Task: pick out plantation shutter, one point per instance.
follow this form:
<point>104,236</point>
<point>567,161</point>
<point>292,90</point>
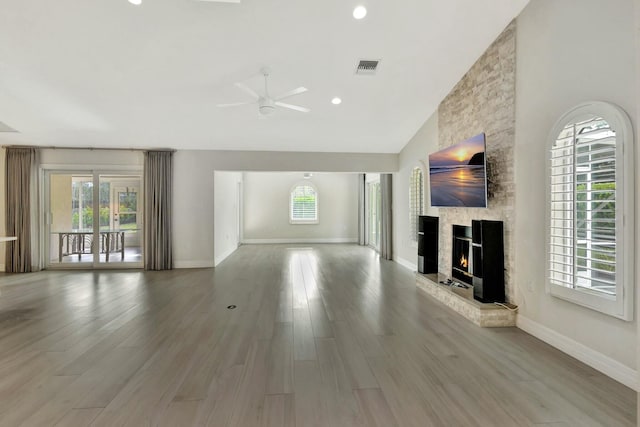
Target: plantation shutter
<point>416,202</point>
<point>304,203</point>
<point>583,214</point>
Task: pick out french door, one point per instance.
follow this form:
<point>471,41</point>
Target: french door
<point>93,219</point>
<point>373,214</point>
<point>126,214</point>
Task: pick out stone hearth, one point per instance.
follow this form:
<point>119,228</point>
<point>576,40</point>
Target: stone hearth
<point>461,301</point>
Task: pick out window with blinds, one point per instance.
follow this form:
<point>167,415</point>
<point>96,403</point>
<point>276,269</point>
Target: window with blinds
<point>416,202</point>
<point>583,207</point>
<point>586,222</point>
<point>304,204</point>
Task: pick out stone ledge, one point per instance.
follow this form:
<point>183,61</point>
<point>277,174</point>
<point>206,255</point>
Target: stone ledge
<point>461,301</point>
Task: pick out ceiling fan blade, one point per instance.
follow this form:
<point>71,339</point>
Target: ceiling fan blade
<point>248,90</point>
<point>292,107</point>
<point>235,104</point>
<point>296,91</point>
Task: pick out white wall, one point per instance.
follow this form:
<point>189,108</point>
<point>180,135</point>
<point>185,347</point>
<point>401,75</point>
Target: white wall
<point>284,161</point>
<point>226,205</point>
<point>637,94</point>
<point>568,52</point>
<point>92,159</point>
<point>414,154</point>
<point>3,231</point>
<point>266,208</point>
<point>193,194</point>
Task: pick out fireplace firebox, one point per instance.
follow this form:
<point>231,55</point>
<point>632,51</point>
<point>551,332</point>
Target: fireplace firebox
<point>461,256</point>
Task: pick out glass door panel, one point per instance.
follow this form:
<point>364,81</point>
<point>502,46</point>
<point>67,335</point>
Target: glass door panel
<point>122,230</point>
<point>70,218</point>
<point>127,208</point>
<point>374,214</point>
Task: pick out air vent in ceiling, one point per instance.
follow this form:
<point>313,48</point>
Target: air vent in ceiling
<point>6,128</point>
<point>367,67</point>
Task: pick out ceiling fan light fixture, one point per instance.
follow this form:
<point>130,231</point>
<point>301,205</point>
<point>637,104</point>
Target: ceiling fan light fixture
<point>267,110</point>
<point>266,103</point>
<point>359,12</point>
<point>266,107</point>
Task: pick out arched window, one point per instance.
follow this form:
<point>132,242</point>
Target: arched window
<point>303,204</point>
<point>416,201</point>
<point>590,209</point>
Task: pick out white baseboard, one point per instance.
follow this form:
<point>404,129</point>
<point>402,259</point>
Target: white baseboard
<point>586,355</point>
<point>193,264</point>
<point>223,256</point>
<point>302,240</point>
<point>407,264</point>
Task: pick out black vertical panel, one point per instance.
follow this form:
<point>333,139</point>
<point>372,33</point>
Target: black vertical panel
<point>428,234</point>
<point>477,260</point>
<point>476,232</point>
<point>488,261</point>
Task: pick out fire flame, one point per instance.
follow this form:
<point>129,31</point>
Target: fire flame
<point>464,263</point>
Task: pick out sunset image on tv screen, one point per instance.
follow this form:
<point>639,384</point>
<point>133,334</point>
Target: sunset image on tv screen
<point>457,174</point>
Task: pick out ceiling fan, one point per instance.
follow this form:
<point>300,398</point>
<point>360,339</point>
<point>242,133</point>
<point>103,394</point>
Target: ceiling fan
<point>266,103</point>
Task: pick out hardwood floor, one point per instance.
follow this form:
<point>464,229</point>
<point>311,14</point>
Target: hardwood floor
<point>325,335</point>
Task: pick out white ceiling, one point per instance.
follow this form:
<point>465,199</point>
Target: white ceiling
<point>105,73</point>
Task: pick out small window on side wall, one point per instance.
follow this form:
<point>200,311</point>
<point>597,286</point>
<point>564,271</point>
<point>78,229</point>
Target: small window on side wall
<point>303,204</point>
<point>416,201</point>
<point>590,209</point>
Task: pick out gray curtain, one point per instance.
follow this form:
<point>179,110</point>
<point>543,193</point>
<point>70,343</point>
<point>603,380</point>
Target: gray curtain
<point>362,219</point>
<point>386,216</point>
<point>158,178</point>
<point>18,181</point>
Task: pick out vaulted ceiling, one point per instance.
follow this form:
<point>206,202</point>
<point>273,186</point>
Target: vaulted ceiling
<point>106,73</point>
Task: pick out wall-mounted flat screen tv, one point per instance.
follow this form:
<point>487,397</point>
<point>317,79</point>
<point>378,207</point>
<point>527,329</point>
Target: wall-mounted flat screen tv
<point>458,175</point>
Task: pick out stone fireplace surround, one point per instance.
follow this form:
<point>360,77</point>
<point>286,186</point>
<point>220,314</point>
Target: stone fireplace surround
<point>457,292</point>
<point>460,299</point>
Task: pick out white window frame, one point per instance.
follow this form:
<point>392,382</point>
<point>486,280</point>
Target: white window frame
<point>619,305</point>
<point>415,211</point>
<point>292,220</point>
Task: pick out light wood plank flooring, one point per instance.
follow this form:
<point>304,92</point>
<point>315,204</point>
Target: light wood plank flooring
<point>325,335</point>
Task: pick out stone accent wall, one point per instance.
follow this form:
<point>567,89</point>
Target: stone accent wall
<point>484,101</point>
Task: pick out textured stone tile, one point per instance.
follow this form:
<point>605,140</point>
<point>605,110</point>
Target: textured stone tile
<point>484,101</point>
<point>462,302</point>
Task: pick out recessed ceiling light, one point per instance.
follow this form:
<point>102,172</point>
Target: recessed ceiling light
<point>336,101</point>
<point>136,2</point>
<point>359,12</point>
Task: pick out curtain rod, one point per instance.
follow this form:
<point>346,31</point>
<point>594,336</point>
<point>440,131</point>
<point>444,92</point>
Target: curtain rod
<point>89,148</point>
